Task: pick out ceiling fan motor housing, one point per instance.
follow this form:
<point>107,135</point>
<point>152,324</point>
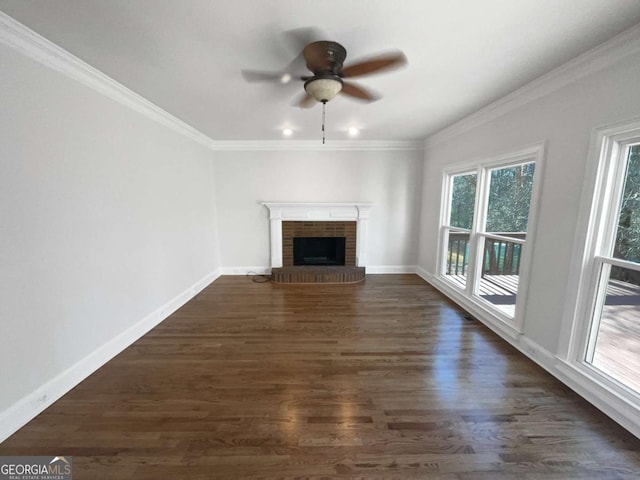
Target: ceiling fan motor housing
<point>325,57</point>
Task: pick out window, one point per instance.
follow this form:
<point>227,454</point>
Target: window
<point>504,234</point>
<point>459,225</point>
<point>613,342</point>
<point>484,229</point>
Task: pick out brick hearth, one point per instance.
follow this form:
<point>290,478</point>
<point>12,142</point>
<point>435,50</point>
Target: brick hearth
<point>317,274</point>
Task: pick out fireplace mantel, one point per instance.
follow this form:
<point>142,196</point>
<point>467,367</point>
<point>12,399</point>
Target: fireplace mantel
<point>337,212</point>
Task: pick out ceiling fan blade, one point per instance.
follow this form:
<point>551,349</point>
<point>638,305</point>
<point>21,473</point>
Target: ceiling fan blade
<point>376,64</point>
<point>294,40</point>
<point>356,91</point>
<point>285,76</point>
<point>305,101</point>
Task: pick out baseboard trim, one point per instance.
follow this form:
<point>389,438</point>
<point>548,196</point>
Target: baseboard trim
<point>391,269</point>
<point>597,393</point>
<point>537,353</point>
<point>27,408</point>
<point>488,318</point>
<point>375,269</point>
<point>245,270</point>
<point>422,273</point>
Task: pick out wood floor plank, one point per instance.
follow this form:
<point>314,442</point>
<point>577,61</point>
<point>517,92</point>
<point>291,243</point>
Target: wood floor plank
<point>381,379</point>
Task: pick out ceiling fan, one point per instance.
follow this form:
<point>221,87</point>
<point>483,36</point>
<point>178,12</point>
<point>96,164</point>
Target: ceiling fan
<point>325,60</point>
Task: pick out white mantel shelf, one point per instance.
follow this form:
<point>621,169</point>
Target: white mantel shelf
<point>321,212</point>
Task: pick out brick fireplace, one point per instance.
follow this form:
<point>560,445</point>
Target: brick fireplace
<point>345,222</point>
<point>291,230</point>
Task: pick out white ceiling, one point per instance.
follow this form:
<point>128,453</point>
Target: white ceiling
<point>186,55</point>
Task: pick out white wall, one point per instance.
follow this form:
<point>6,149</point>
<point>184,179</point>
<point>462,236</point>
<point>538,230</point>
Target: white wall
<point>564,120</point>
<point>391,180</point>
<point>105,216</point>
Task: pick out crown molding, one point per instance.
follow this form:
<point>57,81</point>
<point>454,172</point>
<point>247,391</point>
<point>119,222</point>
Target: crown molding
<point>598,58</point>
<point>297,145</point>
<point>19,37</point>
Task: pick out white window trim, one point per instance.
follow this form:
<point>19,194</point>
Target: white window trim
<point>534,153</point>
<point>600,203</point>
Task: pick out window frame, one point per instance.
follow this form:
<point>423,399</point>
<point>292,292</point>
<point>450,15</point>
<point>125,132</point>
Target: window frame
<point>445,220</point>
<point>477,235</point>
<point>594,242</point>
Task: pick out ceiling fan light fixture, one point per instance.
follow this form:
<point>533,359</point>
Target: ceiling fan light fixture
<point>323,89</point>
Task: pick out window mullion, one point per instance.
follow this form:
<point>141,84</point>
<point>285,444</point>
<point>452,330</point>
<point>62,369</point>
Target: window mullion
<point>476,241</point>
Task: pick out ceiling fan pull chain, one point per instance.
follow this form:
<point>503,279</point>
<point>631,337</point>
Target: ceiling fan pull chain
<point>324,103</point>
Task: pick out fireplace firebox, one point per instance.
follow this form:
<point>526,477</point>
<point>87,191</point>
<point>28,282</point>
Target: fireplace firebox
<point>318,231</point>
<point>319,250</point>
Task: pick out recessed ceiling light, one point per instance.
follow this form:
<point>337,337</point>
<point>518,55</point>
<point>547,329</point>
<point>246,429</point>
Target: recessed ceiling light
<point>287,132</point>
<point>353,131</point>
<point>285,78</point>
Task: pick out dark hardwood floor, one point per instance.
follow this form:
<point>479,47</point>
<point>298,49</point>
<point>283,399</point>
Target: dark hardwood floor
<point>382,379</point>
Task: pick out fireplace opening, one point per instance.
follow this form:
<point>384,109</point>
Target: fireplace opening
<point>318,250</point>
